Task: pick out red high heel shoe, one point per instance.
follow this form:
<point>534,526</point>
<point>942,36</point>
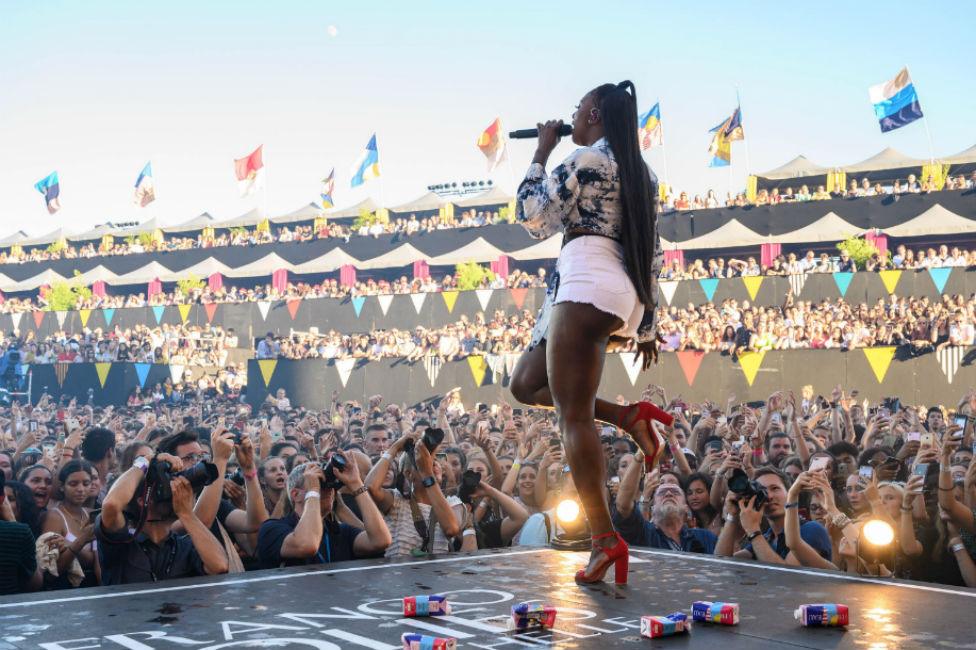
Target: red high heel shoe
<point>617,555</point>
<point>645,413</point>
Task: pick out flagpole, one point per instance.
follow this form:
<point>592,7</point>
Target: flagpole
<point>664,152</point>
<point>745,140</point>
<point>925,122</point>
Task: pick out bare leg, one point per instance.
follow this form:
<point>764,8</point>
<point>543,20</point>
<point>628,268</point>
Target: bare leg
<point>578,335</point>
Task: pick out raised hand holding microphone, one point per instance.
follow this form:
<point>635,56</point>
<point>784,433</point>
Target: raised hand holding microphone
<point>548,139</point>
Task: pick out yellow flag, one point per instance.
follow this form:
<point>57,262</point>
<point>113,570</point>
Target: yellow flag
<point>184,312</point>
<point>750,363</point>
<point>84,314</point>
<point>478,367</point>
<point>879,359</point>
<point>267,367</point>
<point>752,282</point>
<point>890,279</point>
<point>102,370</point>
<point>450,297</point>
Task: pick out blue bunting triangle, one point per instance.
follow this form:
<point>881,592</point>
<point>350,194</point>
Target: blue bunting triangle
<point>109,315</point>
<point>843,280</point>
<point>142,372</point>
<point>709,285</point>
<point>158,312</point>
<point>940,277</point>
<point>357,304</point>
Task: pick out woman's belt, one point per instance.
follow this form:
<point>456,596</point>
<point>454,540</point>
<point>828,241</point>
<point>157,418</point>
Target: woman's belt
<point>570,236</point>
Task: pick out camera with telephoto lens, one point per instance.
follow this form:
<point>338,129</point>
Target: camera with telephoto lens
<point>160,473</point>
<point>743,487</point>
<point>431,439</point>
<point>338,461</point>
<point>470,481</point>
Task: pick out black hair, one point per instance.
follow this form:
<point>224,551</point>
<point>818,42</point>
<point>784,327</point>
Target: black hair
<point>27,511</point>
<point>843,447</point>
<point>169,444</point>
<point>71,467</point>
<point>767,470</point>
<point>97,443</point>
<point>281,444</point>
<point>618,110</point>
<point>778,434</point>
<point>24,473</point>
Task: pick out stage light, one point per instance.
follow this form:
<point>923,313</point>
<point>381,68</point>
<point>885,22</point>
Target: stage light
<point>878,533</point>
<point>568,511</point>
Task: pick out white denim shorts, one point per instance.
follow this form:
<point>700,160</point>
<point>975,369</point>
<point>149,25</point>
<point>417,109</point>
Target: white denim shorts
<point>590,270</point>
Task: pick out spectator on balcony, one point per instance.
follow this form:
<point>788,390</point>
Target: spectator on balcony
<point>846,264</point>
<point>682,203</point>
<point>821,194</point>
<point>711,201</point>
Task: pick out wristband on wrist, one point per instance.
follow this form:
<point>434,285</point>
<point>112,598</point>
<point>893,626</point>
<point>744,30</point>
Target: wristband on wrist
<point>795,504</point>
<point>252,474</point>
<point>312,494</point>
<point>386,456</point>
<point>360,490</point>
<point>955,548</point>
<point>730,518</point>
<point>141,463</point>
<point>908,509</point>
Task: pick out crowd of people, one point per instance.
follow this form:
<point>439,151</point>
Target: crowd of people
<point>910,185</point>
<point>186,345</point>
<point>118,495</point>
<point>241,236</point>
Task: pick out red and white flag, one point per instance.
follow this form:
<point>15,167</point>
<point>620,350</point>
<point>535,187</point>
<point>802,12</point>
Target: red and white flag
<point>250,172</point>
<point>492,143</point>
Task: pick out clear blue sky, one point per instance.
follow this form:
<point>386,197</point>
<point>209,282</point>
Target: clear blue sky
<point>95,89</point>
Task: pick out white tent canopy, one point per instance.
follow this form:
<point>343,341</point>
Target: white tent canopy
<point>934,221</point>
<point>353,210</point>
<point>198,222</point>
<point>887,158</point>
<point>729,235</point>
<point>305,213</point>
<point>829,227</point>
<point>249,218</point>
<point>428,201</point>
<point>494,196</point>
<point>796,168</point>
<point>964,156</point>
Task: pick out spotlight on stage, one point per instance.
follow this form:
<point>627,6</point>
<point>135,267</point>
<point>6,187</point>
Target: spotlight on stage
<point>875,547</point>
<point>572,532</point>
<point>877,533</point>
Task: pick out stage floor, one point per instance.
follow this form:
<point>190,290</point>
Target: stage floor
<point>356,605</point>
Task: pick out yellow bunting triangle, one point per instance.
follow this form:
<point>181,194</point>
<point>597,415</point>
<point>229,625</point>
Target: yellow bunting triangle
<point>890,279</point>
<point>478,367</point>
<point>752,282</point>
<point>184,312</point>
<point>84,313</point>
<point>267,367</point>
<point>450,297</point>
<point>750,363</point>
<point>102,370</point>
<point>880,359</point>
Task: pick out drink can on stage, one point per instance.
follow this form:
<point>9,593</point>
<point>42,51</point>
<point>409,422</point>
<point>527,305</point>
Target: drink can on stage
<point>413,641</point>
<point>722,613</point>
<point>823,615</point>
<point>425,606</point>
<point>532,615</point>
<point>653,627</point>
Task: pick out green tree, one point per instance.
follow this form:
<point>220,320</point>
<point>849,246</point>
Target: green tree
<point>64,295</point>
<point>470,274</point>
<point>189,284</point>
<point>365,218</point>
<point>506,214</point>
<point>859,249</point>
<point>56,247</point>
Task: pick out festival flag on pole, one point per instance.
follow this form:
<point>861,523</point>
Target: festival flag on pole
<point>48,186</point>
<point>895,102</point>
<point>145,190</point>
<point>649,129</point>
<point>326,195</point>
<point>725,133</point>
<point>368,164</point>
<point>249,171</point>
<point>492,144</point>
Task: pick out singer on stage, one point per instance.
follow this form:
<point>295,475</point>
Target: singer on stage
<point>602,199</point>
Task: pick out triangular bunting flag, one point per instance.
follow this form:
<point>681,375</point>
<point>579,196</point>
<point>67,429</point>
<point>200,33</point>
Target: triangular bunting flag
<point>102,370</point>
<point>15,317</point>
<point>667,288</point>
<point>890,279</point>
<point>84,314</point>
<point>450,297</point>
<point>61,316</point>
<point>142,373</point>
<point>157,311</point>
<point>418,300</point>
<point>879,359</point>
<point>950,358</point>
<point>690,362</point>
<point>211,309</point>
<point>497,365</point>
<point>752,282</point>
<point>357,304</point>
<point>518,295</point>
<point>38,318</point>
<point>24,368</point>
<point>433,367</point>
<point>293,307</point>
<point>385,301</point>
<point>176,373</point>
<point>267,367</point>
<point>345,366</point>
<point>631,365</point>
<point>484,295</point>
<point>184,312</point>
<point>109,314</point>
<point>511,360</point>
<point>709,285</point>
<point>61,371</point>
<point>750,362</point>
<point>842,280</point>
<point>263,307</point>
<point>939,277</point>
<point>797,280</point>
<point>478,367</point>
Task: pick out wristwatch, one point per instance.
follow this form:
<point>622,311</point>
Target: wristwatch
<point>428,481</point>
<point>359,490</point>
<point>753,535</point>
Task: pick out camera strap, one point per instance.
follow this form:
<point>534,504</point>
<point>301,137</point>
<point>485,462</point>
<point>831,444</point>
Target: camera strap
<point>424,529</point>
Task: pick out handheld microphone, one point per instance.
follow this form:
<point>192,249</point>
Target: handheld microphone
<point>564,130</point>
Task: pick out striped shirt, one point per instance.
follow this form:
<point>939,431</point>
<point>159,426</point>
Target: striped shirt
<point>399,519</point>
<point>17,560</point>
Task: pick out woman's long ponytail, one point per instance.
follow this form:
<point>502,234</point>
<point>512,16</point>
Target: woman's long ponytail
<point>618,109</point>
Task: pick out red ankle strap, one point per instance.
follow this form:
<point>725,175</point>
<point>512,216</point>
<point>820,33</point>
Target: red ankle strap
<point>612,533</point>
<point>628,414</point>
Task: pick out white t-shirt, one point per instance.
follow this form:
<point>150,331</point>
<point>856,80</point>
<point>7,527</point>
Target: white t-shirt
<point>399,519</point>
